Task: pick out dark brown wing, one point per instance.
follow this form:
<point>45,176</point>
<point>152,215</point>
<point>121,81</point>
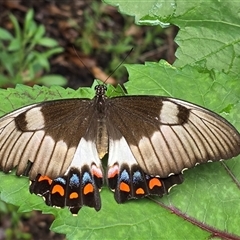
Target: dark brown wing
<point>47,134</point>
<point>167,135</point>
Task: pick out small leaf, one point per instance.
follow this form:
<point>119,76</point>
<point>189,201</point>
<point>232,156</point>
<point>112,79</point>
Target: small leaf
<point>50,80</point>
<point>30,32</point>
<point>16,27</point>
<point>52,51</point>
<point>42,61</point>
<point>39,34</point>
<point>30,57</point>
<point>47,42</point>
<point>15,45</point>
<point>5,35</point>
<point>7,62</point>
<point>28,21</point>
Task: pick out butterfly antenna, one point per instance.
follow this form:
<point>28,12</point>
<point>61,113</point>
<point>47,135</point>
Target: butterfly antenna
<point>119,65</point>
<point>81,60</point>
<point>112,71</point>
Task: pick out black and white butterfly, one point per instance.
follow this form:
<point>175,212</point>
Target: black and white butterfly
<point>150,140</point>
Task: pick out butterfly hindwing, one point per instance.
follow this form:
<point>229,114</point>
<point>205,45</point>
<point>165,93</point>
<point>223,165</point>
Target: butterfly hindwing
<point>73,190</point>
<point>126,178</point>
<point>132,183</point>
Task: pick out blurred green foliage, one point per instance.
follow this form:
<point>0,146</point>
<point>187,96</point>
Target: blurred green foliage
<point>14,231</point>
<point>97,37</point>
<point>22,58</point>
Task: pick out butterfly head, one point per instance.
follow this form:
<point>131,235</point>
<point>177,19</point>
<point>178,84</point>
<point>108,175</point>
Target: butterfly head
<point>100,90</point>
<point>100,97</point>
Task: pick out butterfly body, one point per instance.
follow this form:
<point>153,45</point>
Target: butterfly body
<point>149,140</point>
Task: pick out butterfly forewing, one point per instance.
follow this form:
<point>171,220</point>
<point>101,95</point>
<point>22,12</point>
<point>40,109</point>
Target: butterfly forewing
<point>46,134</point>
<point>167,135</point>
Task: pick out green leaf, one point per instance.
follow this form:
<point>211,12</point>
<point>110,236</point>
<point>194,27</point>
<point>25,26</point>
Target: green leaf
<point>196,208</point>
<point>7,63</point>
<point>15,45</point>
<point>5,35</point>
<point>50,80</point>
<point>207,203</point>
<point>28,21</point>
<point>16,27</point>
<point>163,79</point>
<point>47,42</point>
<point>31,57</point>
<point>41,60</point>
<point>39,34</point>
<point>136,218</point>
<point>29,74</point>
<point>208,30</point>
<point>23,95</point>
<point>52,51</point>
<point>150,12</point>
<point>29,33</point>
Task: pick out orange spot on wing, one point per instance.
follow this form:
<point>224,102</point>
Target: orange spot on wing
<point>88,189</point>
<point>124,187</point>
<point>154,182</point>
<point>140,191</point>
<point>43,178</point>
<point>73,195</point>
<point>58,189</point>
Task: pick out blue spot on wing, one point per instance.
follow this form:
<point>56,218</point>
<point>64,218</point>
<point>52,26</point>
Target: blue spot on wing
<point>124,176</point>
<point>74,181</point>
<point>60,180</point>
<point>137,177</point>
<point>86,178</point>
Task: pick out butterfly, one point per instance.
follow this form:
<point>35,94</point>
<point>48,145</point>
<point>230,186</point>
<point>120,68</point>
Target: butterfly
<point>149,140</point>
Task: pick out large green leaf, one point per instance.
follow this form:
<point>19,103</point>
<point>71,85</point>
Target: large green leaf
<point>208,29</point>
<point>205,205</point>
<point>209,34</point>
